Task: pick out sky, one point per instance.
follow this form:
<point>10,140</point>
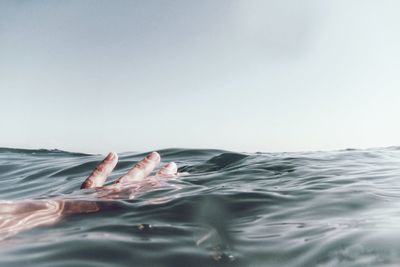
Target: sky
<point>244,75</point>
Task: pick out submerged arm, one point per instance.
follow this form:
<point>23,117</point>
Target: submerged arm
<point>17,216</point>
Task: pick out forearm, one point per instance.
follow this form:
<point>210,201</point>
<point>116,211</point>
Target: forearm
<point>17,216</point>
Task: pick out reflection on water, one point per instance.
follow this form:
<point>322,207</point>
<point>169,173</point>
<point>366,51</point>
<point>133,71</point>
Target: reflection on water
<point>337,208</point>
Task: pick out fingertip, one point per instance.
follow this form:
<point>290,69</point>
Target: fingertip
<point>170,165</point>
<point>112,156</point>
<point>169,170</point>
<point>153,156</point>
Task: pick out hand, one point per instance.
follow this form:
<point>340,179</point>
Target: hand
<point>47,211</point>
<point>137,179</point>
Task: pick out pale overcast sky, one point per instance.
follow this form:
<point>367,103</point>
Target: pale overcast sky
<point>243,75</point>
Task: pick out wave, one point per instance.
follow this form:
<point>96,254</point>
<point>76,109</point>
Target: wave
<point>320,208</point>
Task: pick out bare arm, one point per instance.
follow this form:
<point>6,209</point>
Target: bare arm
<point>17,216</point>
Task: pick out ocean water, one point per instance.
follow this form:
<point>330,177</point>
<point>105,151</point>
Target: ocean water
<point>338,208</point>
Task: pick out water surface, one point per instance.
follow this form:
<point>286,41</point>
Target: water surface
<point>339,208</point>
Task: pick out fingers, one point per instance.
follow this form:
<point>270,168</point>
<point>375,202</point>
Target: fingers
<point>169,170</point>
<point>141,170</point>
<point>100,173</point>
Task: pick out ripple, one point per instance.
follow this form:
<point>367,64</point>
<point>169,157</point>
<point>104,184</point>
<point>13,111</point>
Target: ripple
<point>337,208</point>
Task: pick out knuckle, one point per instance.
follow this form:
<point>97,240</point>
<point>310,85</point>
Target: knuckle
<point>141,165</point>
<point>86,184</point>
<point>99,168</point>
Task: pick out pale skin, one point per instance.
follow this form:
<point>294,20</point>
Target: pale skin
<point>17,216</point>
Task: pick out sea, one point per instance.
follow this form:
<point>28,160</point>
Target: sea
<point>319,208</point>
